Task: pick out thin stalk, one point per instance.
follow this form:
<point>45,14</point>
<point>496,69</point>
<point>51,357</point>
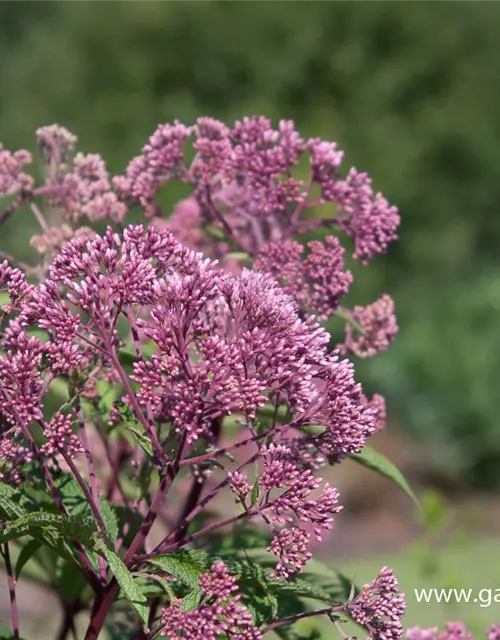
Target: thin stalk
<point>11,580</point>
<point>39,217</point>
<point>103,604</point>
<point>92,479</point>
<point>220,452</point>
<point>299,616</point>
<point>91,575</point>
<point>201,505</point>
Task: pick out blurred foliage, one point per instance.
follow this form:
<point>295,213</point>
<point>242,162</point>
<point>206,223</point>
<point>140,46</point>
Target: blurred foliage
<point>409,90</point>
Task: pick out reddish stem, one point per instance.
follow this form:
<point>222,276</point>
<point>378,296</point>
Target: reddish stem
<point>220,452</point>
<point>104,603</point>
<point>299,616</point>
<point>11,580</point>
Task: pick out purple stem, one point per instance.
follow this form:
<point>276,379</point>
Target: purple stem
<point>299,616</point>
<point>134,403</point>
<point>202,532</point>
<point>88,495</point>
<point>104,604</point>
<point>220,452</point>
<point>201,505</point>
<point>92,479</point>
<point>93,580</point>
<point>11,580</point>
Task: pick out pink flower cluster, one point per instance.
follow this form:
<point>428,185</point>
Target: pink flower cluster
<point>203,340</point>
<point>12,177</point>
<point>452,631</point>
<point>256,163</point>
<point>87,191</point>
<point>222,344</point>
<point>220,612</point>
<point>317,282</point>
<point>282,471</point>
<point>380,606</point>
<point>243,188</point>
<point>60,437</point>
<point>379,328</point>
<point>290,545</point>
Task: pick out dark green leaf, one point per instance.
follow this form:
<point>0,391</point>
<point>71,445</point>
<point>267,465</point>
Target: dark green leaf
<point>379,463</point>
<point>126,581</point>
<point>183,565</point>
<point>110,519</point>
<point>192,600</point>
<point>75,527</point>
<point>135,427</point>
<point>28,550</point>
<point>10,508</point>
<point>165,585</point>
<point>71,582</point>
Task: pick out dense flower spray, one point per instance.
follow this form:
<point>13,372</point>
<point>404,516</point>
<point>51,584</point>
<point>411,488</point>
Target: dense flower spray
<point>451,631</point>
<point>190,353</point>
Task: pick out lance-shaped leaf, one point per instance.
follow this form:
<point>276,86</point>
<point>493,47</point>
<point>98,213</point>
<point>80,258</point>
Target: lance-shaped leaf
<point>135,428</point>
<point>74,527</point>
<point>381,465</point>
<point>125,579</point>
<point>183,565</point>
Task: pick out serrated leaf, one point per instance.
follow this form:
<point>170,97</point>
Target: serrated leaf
<point>72,494</point>
<point>10,509</point>
<point>303,589</point>
<point>381,465</point>
<point>56,543</point>
<point>135,427</point>
<point>110,519</point>
<point>191,601</point>
<point>164,584</point>
<point>26,553</point>
<point>183,565</point>
<point>126,581</point>
<point>75,527</point>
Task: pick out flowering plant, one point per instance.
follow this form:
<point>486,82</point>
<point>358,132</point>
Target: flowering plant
<point>168,393</point>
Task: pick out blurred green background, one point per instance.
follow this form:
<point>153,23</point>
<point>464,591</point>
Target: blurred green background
<point>410,90</point>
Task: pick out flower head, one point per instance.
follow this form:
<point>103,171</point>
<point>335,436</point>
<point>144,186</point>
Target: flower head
<point>12,177</point>
<point>219,613</point>
<point>316,281</point>
<point>379,328</point>
<point>380,606</point>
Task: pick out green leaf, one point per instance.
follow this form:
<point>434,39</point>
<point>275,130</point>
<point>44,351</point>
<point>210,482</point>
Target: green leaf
<point>166,586</point>
<point>110,519</point>
<point>307,588</point>
<point>73,497</point>
<point>350,320</point>
<point>51,540</point>
<point>379,463</point>
<point>71,583</point>
<point>135,427</point>
<point>75,527</point>
<point>9,508</point>
<point>241,256</point>
<point>192,600</point>
<point>254,495</point>
<point>126,581</point>
<point>28,550</point>
<point>183,565</point>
